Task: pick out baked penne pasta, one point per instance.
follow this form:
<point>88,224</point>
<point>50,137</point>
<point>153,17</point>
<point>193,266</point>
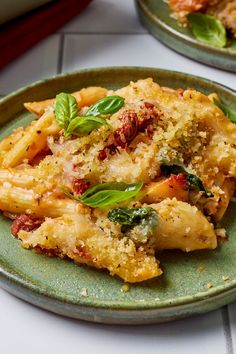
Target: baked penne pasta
<point>112,178</point>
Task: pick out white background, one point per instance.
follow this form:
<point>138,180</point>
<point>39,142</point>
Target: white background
<point>107,33</point>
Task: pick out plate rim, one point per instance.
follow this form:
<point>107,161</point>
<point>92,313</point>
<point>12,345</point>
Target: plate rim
<point>209,294</point>
<point>22,89</point>
<point>225,293</point>
<point>118,316</point>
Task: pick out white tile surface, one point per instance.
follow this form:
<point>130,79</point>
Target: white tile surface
<point>232,316</point>
<point>81,51</point>
<point>36,64</point>
<point>30,330</point>
<point>107,16</point>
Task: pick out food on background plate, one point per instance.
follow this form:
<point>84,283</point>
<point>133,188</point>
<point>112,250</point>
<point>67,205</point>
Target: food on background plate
<point>210,20</point>
<point>111,178</point>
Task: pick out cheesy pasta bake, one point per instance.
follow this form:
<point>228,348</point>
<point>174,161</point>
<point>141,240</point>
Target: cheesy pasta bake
<point>112,178</point>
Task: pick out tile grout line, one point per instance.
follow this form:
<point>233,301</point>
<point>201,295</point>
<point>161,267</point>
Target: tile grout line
<point>104,33</point>
<point>60,53</point>
<point>227,330</point>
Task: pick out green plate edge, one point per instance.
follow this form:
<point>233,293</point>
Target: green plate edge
<point>56,284</point>
<point>155,16</point>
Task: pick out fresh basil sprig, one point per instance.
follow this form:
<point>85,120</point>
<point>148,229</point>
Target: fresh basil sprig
<point>107,105</point>
<point>227,111</point>
<point>107,194</point>
<point>208,29</point>
<point>65,109</point>
<point>85,124</point>
<point>128,216</point>
<point>194,182</point>
<point>66,113</point>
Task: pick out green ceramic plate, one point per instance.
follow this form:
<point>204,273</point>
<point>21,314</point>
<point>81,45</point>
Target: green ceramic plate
<point>57,285</point>
<point>155,15</point>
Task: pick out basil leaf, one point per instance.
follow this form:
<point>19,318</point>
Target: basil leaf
<point>107,194</point>
<point>128,216</point>
<point>119,186</point>
<point>65,109</point>
<point>194,182</point>
<point>85,124</point>
<point>208,29</point>
<point>107,105</point>
<point>227,111</point>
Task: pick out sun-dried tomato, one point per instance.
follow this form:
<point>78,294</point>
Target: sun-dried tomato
<point>79,186</point>
<point>133,123</point>
<point>25,222</point>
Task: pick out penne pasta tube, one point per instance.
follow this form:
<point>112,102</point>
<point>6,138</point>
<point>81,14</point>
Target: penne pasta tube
<point>176,232</point>
<point>7,143</point>
<point>17,200</point>
<point>33,141</point>
<point>17,178</point>
<point>55,207</point>
<point>91,95</point>
<point>40,179</point>
<point>20,201</point>
<point>84,97</point>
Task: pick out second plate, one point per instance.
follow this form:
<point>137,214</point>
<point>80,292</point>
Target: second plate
<point>155,15</point>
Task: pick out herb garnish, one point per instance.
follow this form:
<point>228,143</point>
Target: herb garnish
<point>65,109</point>
<point>208,29</point>
<point>128,216</point>
<point>107,105</point>
<point>85,124</point>
<point>66,113</point>
<point>107,194</point>
<point>194,182</point>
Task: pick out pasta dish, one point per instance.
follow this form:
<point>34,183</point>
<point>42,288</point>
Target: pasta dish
<point>111,178</point>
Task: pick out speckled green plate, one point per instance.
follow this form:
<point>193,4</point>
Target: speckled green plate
<point>155,15</point>
<point>57,285</point>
